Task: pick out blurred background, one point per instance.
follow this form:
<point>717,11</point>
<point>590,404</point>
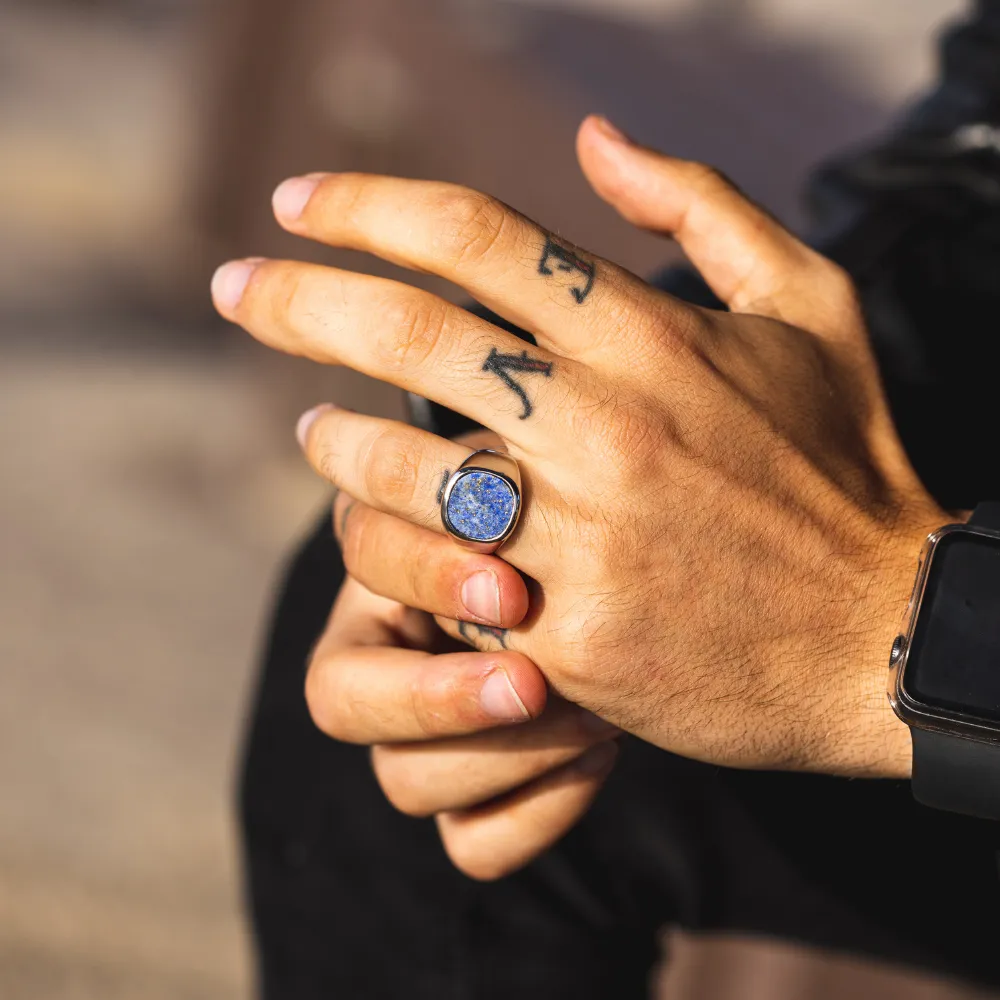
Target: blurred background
<point>150,481</point>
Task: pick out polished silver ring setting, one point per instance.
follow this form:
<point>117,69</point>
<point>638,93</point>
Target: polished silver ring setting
<point>481,501</point>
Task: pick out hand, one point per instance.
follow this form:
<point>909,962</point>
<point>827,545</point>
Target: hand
<point>504,776</point>
<point>721,521</point>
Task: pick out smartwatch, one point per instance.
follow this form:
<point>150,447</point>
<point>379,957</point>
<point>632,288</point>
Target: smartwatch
<point>944,668</point>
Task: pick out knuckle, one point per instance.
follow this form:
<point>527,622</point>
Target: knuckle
<point>624,430</point>
<point>391,468</point>
<point>838,284</point>
<point>400,785</point>
<point>282,282</point>
<point>423,579</point>
<point>676,330</point>
<point>424,702</point>
<point>328,463</point>
<point>706,178</point>
<point>634,439</point>
<point>291,295</point>
<point>410,329</point>
<point>348,194</point>
<point>476,224</point>
<point>633,313</point>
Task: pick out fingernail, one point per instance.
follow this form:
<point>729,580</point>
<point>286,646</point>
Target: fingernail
<point>597,760</point>
<point>610,130</point>
<point>229,282</point>
<point>594,725</point>
<point>481,596</point>
<point>308,419</point>
<point>291,197</point>
<point>499,699</point>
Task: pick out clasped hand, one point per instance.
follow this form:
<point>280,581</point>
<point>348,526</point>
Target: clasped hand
<point>720,525</point>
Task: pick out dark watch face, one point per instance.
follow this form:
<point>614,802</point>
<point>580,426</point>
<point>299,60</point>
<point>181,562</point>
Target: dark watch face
<point>954,658</point>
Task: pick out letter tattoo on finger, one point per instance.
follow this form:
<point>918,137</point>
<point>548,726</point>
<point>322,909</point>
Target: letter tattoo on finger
<point>502,365</point>
<point>445,476</point>
<point>569,262</point>
<point>500,634</point>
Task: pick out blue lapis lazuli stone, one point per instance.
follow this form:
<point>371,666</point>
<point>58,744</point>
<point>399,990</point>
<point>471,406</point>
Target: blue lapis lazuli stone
<point>481,505</point>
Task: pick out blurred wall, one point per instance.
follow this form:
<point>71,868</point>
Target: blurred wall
<point>140,139</point>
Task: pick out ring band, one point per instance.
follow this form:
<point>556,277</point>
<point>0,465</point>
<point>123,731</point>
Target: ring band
<point>481,501</point>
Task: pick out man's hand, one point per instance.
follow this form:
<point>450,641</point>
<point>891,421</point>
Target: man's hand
<point>505,776</point>
<point>719,517</point>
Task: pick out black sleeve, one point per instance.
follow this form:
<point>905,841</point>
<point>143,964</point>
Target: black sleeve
<point>914,217</point>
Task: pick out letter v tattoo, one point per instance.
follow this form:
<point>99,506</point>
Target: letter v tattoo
<point>503,364</point>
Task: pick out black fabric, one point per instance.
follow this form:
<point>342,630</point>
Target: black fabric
<point>915,219</point>
<point>352,900</point>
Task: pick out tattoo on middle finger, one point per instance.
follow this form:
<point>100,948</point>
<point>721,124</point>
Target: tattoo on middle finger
<point>502,365</point>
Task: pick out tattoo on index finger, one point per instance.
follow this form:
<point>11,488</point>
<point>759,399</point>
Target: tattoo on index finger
<point>557,257</point>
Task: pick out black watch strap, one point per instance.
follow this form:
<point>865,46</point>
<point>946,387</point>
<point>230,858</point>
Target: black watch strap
<point>986,515</point>
<point>959,775</point>
<point>952,773</point>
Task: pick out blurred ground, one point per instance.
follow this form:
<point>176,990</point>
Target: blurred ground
<point>151,483</point>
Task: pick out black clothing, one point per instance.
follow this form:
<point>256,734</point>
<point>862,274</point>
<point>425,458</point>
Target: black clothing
<point>353,900</point>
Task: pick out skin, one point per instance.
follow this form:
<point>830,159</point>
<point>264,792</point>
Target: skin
<point>720,525</point>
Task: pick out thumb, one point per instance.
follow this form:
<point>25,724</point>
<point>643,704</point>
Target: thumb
<point>751,262</point>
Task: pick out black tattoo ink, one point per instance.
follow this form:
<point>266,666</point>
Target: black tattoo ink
<point>568,261</point>
<point>445,476</point>
<point>500,634</point>
<point>503,364</point>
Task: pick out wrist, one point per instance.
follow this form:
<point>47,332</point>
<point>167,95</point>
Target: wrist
<point>882,742</point>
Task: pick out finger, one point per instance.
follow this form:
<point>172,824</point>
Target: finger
<point>485,638</point>
<point>502,836</point>
<point>404,336</point>
<point>427,571</point>
<point>402,470</point>
<point>382,694</point>
<point>362,618</point>
<point>425,778</point>
<point>480,438</point>
<point>752,262</point>
<point>529,276</point>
